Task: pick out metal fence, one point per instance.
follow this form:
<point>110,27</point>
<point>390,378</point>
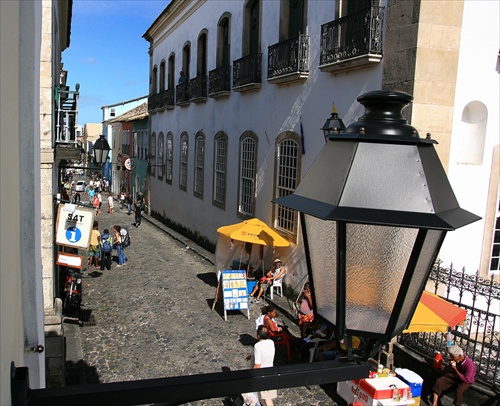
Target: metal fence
<point>479,335</point>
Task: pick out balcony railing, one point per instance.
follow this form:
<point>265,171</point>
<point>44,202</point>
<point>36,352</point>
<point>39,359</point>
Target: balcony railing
<point>168,99</point>
<point>288,60</point>
<point>198,89</point>
<point>219,82</point>
<point>247,73</point>
<point>182,94</point>
<point>352,41</point>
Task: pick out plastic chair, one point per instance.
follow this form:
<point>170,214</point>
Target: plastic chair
<point>282,340</point>
<point>278,283</point>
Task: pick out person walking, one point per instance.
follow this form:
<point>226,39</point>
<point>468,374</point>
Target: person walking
<point>106,246</point>
<point>138,212</point>
<point>263,357</point>
<point>122,199</point>
<point>110,203</point>
<point>91,195</point>
<point>130,202</point>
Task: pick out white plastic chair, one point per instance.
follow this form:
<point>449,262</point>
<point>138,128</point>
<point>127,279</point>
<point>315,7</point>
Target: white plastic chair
<point>277,284</point>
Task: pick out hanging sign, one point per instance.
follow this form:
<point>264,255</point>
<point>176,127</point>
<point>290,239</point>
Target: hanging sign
<point>69,260</point>
<point>74,225</point>
<point>129,164</point>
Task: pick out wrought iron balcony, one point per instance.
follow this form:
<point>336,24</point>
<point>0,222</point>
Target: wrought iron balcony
<point>154,103</point>
<point>182,94</point>
<point>288,60</point>
<point>219,82</point>
<point>353,41</point>
<point>168,99</point>
<point>247,73</point>
<point>198,89</point>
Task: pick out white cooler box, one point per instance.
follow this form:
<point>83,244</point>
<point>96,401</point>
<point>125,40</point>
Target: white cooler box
<point>373,392</point>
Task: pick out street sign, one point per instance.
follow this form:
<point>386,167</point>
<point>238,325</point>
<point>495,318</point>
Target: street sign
<point>74,225</point>
<point>129,164</point>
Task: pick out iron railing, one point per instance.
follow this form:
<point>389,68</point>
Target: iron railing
<point>182,93</point>
<point>354,35</point>
<point>247,70</point>
<point>219,80</point>
<point>168,98</point>
<point>289,56</point>
<point>198,88</point>
<point>479,336</point>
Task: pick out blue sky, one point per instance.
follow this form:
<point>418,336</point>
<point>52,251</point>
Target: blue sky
<point>107,55</point>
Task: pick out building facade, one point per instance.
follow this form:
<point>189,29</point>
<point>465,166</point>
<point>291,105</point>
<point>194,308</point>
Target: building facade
<point>242,125</point>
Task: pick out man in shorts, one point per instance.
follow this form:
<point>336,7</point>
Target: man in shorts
<point>263,357</point>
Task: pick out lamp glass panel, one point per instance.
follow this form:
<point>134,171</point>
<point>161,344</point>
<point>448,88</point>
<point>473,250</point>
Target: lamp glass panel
<point>98,155</point>
<point>430,248</point>
<point>322,236</point>
<point>377,257</point>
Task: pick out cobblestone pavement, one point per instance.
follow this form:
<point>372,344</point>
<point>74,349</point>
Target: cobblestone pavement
<point>153,317</point>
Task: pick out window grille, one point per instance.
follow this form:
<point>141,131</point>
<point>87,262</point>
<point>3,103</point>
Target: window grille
<point>153,152</point>
<point>170,157</point>
<point>199,165</point>
<point>183,163</point>
<point>161,149</point>
<point>247,177</point>
<point>220,168</point>
<point>286,182</point>
<point>495,249</point>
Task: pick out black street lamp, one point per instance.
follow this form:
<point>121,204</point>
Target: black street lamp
<point>375,207</point>
<point>101,150</point>
<point>333,125</point>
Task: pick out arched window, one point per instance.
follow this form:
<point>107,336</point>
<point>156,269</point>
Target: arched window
<point>287,175</point>
<point>247,175</point>
<point>170,158</point>
<point>183,170</point>
<point>199,164</point>
<point>224,42</point>
<point>162,76</point>
<point>171,71</point>
<point>220,170</point>
<point>154,80</point>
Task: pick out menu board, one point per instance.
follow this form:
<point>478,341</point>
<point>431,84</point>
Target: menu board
<point>234,290</point>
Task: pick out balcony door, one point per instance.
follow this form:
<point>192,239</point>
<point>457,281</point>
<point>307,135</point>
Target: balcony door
<point>296,9</point>
<point>254,14</point>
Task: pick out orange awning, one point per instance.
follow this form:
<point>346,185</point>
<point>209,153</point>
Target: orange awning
<point>434,314</point>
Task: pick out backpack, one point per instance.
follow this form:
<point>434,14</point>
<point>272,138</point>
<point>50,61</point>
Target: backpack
<point>106,243</point>
<point>124,238</point>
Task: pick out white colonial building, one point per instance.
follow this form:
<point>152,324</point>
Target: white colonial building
<point>243,125</point>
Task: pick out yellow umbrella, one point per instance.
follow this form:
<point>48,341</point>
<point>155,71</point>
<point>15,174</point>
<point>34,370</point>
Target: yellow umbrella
<point>253,231</point>
<point>434,314</point>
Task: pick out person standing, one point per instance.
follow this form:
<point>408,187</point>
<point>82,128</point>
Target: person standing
<point>91,195</point>
<point>462,374</point>
<point>122,199</point>
<point>117,242</point>
<point>99,196</point>
<point>305,313</point>
<point>94,250</point>
<point>106,246</point>
<point>263,357</point>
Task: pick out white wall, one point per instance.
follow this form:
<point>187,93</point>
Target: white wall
<point>477,83</point>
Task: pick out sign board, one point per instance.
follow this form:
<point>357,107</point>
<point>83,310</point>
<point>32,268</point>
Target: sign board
<point>129,164</point>
<point>69,260</point>
<point>74,225</point>
<point>234,291</point>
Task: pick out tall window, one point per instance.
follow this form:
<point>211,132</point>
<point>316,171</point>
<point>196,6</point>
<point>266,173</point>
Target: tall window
<point>170,158</point>
<point>161,149</point>
<point>287,167</point>
<point>495,250</point>
<point>186,59</point>
<point>220,170</point>
<point>171,71</point>
<point>223,43</point>
<point>248,161</point>
<point>154,80</point>
<point>292,18</point>
<point>201,67</point>
<point>162,76</point>
<point>199,165</point>
<point>183,173</point>
<point>251,44</point>
<point>153,152</point>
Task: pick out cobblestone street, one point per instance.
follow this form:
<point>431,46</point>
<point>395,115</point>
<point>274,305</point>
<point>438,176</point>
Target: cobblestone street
<point>153,317</point>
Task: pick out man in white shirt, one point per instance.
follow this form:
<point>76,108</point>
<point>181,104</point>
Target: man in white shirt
<point>263,357</point>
